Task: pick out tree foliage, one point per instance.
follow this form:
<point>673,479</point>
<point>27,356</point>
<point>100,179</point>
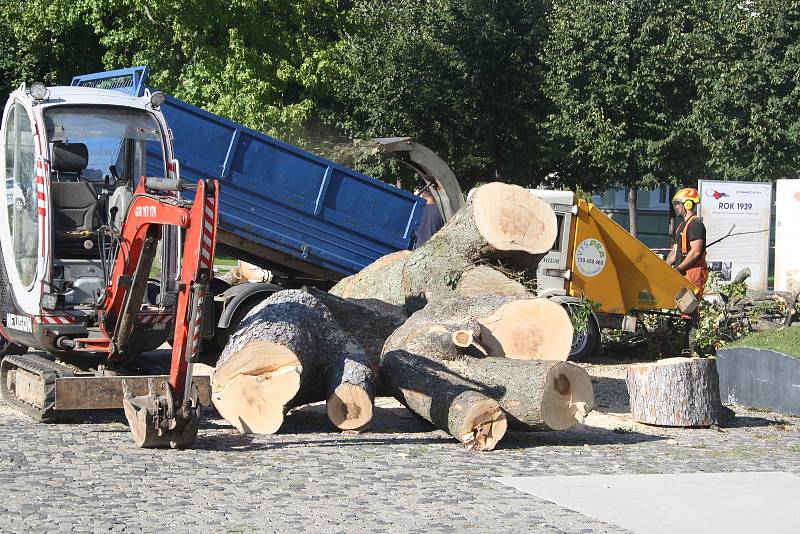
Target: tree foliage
<point>619,76</point>
<point>255,62</point>
<point>748,99</point>
<point>463,77</point>
<point>44,41</point>
<point>588,93</point>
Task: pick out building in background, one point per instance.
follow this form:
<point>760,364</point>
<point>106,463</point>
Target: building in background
<point>653,208</point>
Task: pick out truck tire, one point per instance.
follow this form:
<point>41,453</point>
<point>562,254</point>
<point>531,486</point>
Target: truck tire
<point>584,344</point>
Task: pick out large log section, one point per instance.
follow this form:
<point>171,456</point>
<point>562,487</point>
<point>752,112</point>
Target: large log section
<point>287,352</point>
<point>676,392</point>
<point>445,344</point>
<point>513,327</point>
<point>501,223</point>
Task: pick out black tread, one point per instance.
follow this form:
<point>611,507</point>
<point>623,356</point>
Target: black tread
<point>48,370</point>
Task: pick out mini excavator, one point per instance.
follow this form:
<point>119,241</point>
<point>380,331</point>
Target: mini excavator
<point>106,253</point>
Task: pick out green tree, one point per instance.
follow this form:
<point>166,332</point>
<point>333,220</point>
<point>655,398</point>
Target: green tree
<point>749,94</point>
<point>463,77</point>
<point>44,41</point>
<point>619,77</point>
<point>256,62</point>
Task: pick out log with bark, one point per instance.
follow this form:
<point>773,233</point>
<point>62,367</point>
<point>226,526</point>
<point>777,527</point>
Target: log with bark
<point>520,328</point>
<point>443,360</point>
<point>682,392</point>
<point>500,223</point>
<point>287,352</point>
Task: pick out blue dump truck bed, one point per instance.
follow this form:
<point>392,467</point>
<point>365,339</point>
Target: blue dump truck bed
<point>281,207</point>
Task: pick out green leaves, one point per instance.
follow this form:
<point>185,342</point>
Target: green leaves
<point>259,63</point>
<point>581,93</point>
<point>461,77</point>
<point>622,93</point>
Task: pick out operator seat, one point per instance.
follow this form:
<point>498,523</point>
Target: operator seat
<point>74,201</point>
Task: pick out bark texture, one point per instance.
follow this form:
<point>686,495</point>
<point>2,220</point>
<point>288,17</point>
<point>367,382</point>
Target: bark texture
<point>441,345</point>
<point>334,367</point>
<point>681,392</point>
<point>450,403</point>
<point>521,328</point>
<point>501,222</point>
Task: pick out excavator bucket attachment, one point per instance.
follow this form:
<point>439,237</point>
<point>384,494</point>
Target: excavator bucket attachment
<point>156,422</point>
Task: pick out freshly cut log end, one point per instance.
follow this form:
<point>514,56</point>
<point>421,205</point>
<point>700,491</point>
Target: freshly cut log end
<point>528,329</point>
<point>483,280</point>
<point>568,396</point>
<point>256,403</point>
<point>510,218</point>
<point>484,425</point>
<point>256,358</point>
<point>462,338</point>
<point>682,392</point>
<point>350,407</point>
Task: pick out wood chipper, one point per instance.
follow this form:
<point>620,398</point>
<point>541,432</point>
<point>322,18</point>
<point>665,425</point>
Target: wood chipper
<point>596,259</point>
<point>92,199</point>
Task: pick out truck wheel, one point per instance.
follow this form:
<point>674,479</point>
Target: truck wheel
<point>585,343</point>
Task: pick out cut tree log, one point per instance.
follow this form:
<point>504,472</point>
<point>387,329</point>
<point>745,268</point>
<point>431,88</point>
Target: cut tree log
<point>448,340</point>
<point>287,352</point>
<point>448,402</point>
<point>681,392</point>
<point>519,328</point>
<point>501,222</point>
<point>484,280</point>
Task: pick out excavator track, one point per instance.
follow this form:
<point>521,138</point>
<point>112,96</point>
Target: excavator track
<point>28,383</point>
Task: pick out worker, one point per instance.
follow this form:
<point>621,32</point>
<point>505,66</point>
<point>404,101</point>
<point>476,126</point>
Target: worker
<point>431,220</point>
<point>688,254</point>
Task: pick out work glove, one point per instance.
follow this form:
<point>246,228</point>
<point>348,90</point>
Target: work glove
<point>680,270</point>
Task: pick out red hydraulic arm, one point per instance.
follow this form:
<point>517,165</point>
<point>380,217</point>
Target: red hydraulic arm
<point>140,234</point>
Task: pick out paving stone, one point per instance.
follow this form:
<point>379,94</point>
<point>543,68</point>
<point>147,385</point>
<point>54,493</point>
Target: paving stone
<point>402,477</point>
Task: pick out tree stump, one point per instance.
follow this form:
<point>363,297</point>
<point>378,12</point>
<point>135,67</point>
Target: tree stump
<point>681,392</point>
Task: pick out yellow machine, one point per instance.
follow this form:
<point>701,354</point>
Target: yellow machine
<point>596,259</point>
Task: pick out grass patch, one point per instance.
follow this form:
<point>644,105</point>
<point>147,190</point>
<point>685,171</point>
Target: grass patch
<point>795,448</point>
<point>785,340</point>
<point>220,259</point>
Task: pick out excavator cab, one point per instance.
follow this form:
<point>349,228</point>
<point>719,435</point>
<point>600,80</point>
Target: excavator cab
<point>69,179</point>
<point>101,258</point>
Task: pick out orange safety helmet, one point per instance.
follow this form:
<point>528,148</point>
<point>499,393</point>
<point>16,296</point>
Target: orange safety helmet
<point>688,196</point>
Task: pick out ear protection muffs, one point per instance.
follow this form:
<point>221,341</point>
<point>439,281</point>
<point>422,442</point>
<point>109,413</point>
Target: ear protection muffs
<point>688,205</point>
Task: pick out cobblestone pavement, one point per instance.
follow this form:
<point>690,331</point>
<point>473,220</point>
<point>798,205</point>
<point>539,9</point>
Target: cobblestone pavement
<point>399,477</point>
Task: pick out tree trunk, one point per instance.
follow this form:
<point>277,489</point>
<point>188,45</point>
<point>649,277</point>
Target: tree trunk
<point>501,222</point>
<point>290,351</point>
<point>448,402</point>
<point>511,327</point>
<point>443,341</point>
<point>680,392</point>
<point>632,211</point>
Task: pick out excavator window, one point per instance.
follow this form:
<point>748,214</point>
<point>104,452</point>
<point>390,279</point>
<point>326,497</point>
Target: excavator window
<point>97,153</point>
<point>122,144</point>
<point>20,189</point>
